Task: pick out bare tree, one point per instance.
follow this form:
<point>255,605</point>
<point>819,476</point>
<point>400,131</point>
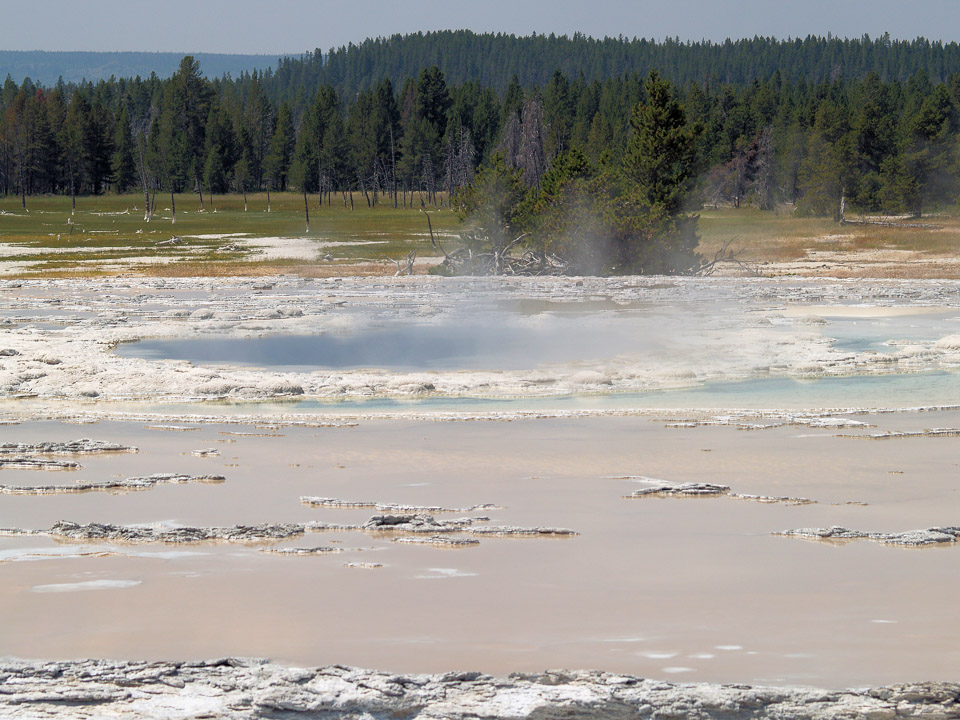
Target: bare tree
<point>510,141</point>
<point>459,156</point>
<point>141,128</point>
<point>531,157</point>
<point>306,207</point>
<point>764,169</point>
<point>393,169</point>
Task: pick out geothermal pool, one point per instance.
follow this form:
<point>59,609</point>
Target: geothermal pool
<point>524,337</point>
<point>814,404</point>
<point>544,337</point>
<point>499,343</point>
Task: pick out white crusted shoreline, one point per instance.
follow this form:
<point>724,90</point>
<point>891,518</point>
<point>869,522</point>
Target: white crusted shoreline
<point>235,689</point>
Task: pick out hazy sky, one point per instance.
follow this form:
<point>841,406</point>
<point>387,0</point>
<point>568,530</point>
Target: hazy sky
<point>294,26</point>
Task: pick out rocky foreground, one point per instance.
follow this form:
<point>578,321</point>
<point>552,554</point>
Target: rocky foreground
<point>244,689</point>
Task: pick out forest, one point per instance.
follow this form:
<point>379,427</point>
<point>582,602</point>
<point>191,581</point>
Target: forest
<point>816,125</point>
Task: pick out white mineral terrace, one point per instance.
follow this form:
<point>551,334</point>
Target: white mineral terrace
<point>60,336</point>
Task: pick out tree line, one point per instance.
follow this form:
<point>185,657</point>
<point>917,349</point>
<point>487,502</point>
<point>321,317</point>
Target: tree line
<point>494,58</point>
<point>874,144</point>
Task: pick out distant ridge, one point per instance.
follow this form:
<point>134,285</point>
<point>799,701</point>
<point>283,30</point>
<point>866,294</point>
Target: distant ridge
<point>493,60</point>
<point>45,67</point>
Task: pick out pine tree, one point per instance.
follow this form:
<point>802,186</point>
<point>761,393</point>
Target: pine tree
<point>71,142</point>
<point>278,159</point>
<point>661,155</point>
<point>827,174</point>
<point>122,165</point>
<point>659,166</point>
<point>558,111</point>
<point>930,156</point>
<point>220,152</point>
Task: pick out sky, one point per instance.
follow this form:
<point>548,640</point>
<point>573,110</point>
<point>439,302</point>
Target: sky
<point>280,27</point>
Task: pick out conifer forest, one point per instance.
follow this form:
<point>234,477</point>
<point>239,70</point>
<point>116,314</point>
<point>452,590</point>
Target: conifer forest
<point>616,138</point>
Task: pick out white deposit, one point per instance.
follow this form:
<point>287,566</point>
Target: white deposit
<point>60,335</point>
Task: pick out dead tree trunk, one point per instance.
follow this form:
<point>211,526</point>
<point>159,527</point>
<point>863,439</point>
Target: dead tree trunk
<point>406,266</point>
<point>147,215</point>
<point>433,242</point>
<point>393,170</point>
<point>363,189</point>
<point>173,208</point>
<point>306,208</point>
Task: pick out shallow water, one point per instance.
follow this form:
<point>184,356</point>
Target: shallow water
<point>672,588</point>
<point>875,333</point>
<point>852,391</point>
<point>891,391</point>
<point>505,341</point>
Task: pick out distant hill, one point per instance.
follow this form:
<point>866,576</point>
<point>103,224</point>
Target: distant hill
<point>45,67</point>
<point>493,59</point>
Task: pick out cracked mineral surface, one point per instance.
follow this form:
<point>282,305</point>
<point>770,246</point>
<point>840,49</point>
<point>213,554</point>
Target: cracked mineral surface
<point>234,689</point>
<point>319,550</point>
<point>395,524</point>
<point>127,533</point>
<point>391,507</point>
<point>84,446</point>
<point>929,536</point>
<point>660,488</point>
<point>28,463</point>
<point>683,490</point>
<point>134,483</point>
<point>438,541</point>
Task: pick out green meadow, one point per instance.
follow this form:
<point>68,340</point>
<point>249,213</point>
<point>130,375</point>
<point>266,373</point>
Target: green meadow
<point>108,235</point>
<point>109,231</point>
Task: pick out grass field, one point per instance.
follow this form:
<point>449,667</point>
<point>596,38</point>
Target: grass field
<point>109,231</point>
<point>108,235</point>
<point>779,237</point>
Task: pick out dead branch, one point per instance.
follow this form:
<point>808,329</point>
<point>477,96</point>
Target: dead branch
<point>727,255</point>
<point>511,244</point>
<point>498,261</point>
<point>437,247</point>
<point>404,267</point>
<point>891,223</point>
